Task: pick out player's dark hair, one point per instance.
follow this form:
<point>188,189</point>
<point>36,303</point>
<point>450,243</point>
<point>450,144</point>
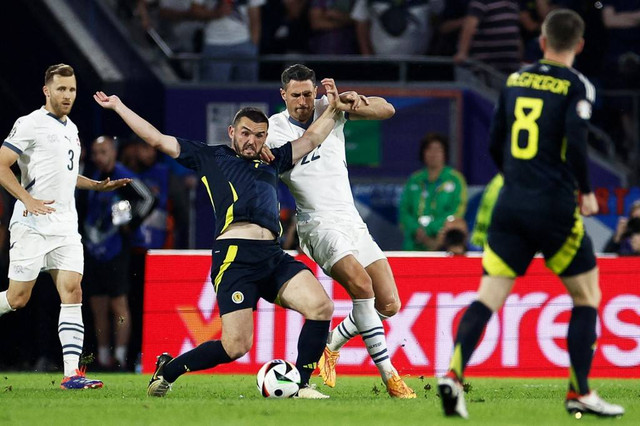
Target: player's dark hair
<point>297,72</point>
<point>252,113</point>
<point>63,70</point>
<point>563,29</point>
<point>430,138</point>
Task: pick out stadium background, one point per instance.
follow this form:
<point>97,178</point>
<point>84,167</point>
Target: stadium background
<point>89,35</point>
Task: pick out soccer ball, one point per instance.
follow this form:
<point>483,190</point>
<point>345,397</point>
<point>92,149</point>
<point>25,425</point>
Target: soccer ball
<point>278,379</point>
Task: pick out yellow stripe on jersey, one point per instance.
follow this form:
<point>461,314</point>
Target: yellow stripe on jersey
<point>539,82</point>
<point>232,252</point>
<point>206,185</point>
<point>229,217</point>
<point>563,150</point>
<point>564,256</point>
<point>494,265</point>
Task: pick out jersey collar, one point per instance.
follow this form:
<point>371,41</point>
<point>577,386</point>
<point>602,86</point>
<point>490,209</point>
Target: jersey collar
<point>301,124</point>
<point>52,115</point>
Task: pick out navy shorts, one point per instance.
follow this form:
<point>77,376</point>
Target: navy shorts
<point>519,229</point>
<point>243,271</point>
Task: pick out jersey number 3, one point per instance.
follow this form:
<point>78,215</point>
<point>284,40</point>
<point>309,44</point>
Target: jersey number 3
<point>527,111</point>
<point>70,165</point>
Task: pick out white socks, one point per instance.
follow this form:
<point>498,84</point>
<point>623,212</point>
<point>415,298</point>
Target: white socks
<point>345,331</point>
<point>340,335</point>
<point>4,304</point>
<point>104,356</point>
<point>120,354</point>
<point>370,326</point>
<point>71,333</point>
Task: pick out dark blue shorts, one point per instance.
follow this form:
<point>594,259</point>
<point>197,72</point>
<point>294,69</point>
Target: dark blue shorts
<point>521,228</point>
<point>243,271</point>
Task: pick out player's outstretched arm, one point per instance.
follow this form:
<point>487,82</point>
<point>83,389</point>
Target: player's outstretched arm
<point>10,183</point>
<point>141,127</point>
<point>366,107</point>
<point>84,182</point>
<point>321,127</point>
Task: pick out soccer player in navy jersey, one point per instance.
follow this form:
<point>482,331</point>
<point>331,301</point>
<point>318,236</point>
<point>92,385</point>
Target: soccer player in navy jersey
<point>538,140</point>
<point>248,263</point>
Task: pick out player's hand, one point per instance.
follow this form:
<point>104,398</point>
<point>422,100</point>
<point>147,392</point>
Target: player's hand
<point>588,204</point>
<point>333,95</point>
<point>266,155</point>
<point>107,102</point>
<point>37,207</point>
<point>111,185</point>
<point>354,99</point>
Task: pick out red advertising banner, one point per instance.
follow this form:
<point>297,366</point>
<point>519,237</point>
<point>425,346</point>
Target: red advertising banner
<point>526,338</point>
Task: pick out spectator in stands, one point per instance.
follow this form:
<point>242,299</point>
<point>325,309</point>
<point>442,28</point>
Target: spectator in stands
<point>453,236</point>
<point>332,29</point>
<point>181,30</point>
<point>490,34</point>
<point>431,197</point>
<point>394,28</point>
<point>232,33</point>
<point>622,64</point>
<point>111,218</point>
<point>532,13</point>
<point>445,41</point>
<point>625,239</point>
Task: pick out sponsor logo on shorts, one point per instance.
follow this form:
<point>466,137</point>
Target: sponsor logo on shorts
<point>237,297</point>
<point>18,269</point>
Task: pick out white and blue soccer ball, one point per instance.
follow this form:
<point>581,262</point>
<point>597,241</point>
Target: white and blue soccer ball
<point>278,379</point>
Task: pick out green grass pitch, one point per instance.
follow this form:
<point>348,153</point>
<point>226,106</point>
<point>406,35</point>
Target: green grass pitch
<point>35,399</point>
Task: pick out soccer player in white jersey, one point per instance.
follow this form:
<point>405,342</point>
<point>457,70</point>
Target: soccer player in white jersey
<point>44,225</point>
<point>330,228</point>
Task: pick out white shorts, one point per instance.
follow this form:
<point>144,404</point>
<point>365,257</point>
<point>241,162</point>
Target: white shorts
<point>31,252</point>
<point>327,239</point>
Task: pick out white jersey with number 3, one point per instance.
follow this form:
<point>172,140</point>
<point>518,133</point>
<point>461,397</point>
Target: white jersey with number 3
<point>320,180</point>
<point>49,150</point>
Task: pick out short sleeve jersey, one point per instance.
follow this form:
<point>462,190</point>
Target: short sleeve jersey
<point>319,181</point>
<point>539,125</point>
<point>49,150</point>
<point>240,190</point>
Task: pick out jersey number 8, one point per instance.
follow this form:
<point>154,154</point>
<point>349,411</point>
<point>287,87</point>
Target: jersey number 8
<point>526,122</point>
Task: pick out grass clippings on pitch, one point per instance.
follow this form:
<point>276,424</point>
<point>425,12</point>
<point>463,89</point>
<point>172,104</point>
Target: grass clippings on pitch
<point>36,399</point>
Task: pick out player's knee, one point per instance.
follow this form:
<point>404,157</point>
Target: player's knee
<point>237,348</point>
<point>18,301</point>
<point>361,287</point>
<point>386,310</point>
<point>325,309</point>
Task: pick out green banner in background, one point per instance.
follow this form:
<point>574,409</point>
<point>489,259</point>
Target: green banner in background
<point>363,143</point>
